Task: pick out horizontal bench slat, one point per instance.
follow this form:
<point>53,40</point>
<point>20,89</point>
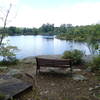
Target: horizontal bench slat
<point>62,63</point>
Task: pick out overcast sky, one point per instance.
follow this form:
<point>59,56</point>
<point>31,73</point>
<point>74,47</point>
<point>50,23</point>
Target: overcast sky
<point>34,13</point>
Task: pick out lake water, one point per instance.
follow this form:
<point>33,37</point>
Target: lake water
<point>38,45</point>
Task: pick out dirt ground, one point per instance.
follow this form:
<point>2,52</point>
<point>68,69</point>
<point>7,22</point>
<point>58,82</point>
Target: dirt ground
<point>57,84</point>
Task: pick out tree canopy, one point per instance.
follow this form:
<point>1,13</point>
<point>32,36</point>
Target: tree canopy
<point>64,31</point>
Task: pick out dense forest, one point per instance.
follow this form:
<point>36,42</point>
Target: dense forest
<point>44,29</point>
<point>64,31</point>
<point>81,33</point>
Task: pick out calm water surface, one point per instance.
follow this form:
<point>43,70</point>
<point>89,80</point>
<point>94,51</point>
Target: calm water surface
<point>38,45</point>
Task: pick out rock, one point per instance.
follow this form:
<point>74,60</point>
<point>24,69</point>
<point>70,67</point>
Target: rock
<point>41,93</point>
<point>44,92</point>
<point>52,84</point>
<point>88,69</point>
<point>76,70</point>
<point>79,77</point>
<point>3,67</point>
<point>15,73</point>
<point>78,88</point>
<point>90,89</point>
<point>98,86</point>
<point>95,88</point>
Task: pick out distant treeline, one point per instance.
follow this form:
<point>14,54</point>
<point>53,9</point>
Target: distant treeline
<point>80,33</point>
<point>43,30</point>
<point>64,31</point>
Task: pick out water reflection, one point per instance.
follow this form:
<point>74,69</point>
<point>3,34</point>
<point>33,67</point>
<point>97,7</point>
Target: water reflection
<point>38,45</point>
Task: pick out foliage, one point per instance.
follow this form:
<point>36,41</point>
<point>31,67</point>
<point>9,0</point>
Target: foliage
<point>9,61</point>
<point>6,51</point>
<point>96,62</point>
<point>81,33</point>
<point>75,55</point>
<point>65,31</point>
<point>8,54</point>
<point>47,28</point>
<point>92,45</point>
<point>2,96</point>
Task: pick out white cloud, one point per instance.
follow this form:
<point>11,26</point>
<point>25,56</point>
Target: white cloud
<point>79,14</point>
<point>87,13</point>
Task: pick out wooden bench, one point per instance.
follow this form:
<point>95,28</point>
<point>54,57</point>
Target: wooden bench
<point>59,63</point>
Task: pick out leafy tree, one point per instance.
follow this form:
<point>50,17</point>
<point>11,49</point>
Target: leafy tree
<point>47,28</point>
<point>35,31</point>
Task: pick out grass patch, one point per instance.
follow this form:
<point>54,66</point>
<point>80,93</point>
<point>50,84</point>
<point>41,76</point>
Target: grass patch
<point>2,96</point>
<point>97,95</point>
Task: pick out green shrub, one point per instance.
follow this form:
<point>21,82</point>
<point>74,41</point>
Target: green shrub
<point>9,61</point>
<point>96,62</point>
<point>75,55</point>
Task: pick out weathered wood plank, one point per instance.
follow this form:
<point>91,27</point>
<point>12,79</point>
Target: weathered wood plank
<point>12,86</point>
<point>60,63</point>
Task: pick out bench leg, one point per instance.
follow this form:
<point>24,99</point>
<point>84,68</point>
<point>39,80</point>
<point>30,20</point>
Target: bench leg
<point>71,70</point>
<point>37,71</point>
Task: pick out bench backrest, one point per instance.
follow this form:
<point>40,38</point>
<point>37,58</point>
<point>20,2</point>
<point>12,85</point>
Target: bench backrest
<point>43,62</point>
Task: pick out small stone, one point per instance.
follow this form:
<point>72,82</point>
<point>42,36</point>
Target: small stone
<point>46,91</point>
<point>88,70</point>
<point>78,88</point>
<point>52,84</point>
<point>41,93</point>
<point>90,89</point>
<point>79,77</point>
<point>98,86</point>
<point>29,99</point>
<point>14,72</point>
<point>93,74</point>
<point>76,70</point>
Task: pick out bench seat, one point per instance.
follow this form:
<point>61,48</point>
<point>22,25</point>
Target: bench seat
<point>57,63</point>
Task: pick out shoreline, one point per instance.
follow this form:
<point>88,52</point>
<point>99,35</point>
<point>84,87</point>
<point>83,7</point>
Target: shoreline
<point>86,58</point>
<point>32,58</point>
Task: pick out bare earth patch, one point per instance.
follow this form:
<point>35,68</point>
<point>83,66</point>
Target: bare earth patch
<point>57,84</point>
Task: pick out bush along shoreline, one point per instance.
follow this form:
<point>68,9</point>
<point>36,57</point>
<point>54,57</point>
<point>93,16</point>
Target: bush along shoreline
<point>78,57</point>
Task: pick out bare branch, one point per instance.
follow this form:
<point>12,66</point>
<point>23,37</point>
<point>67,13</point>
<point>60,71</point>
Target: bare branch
<point>5,22</point>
